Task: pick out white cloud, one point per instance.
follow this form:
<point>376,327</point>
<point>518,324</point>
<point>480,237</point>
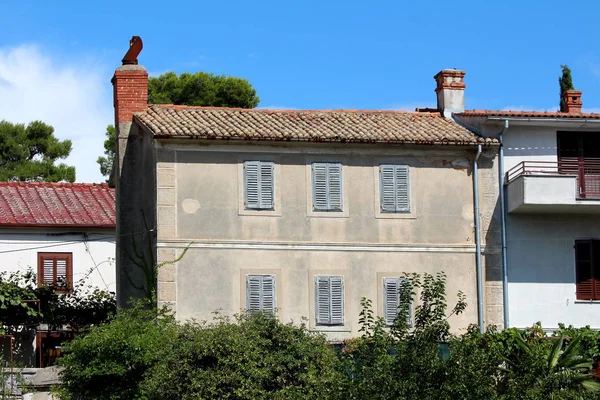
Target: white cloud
<point>74,98</point>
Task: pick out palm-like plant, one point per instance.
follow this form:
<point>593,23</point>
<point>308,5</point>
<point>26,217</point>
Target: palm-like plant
<point>563,374</point>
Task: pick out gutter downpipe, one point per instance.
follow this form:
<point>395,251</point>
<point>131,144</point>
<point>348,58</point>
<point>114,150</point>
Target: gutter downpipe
<point>478,241</point>
<point>503,227</point>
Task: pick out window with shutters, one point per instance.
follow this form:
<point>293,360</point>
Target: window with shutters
<point>56,269</point>
<point>392,288</point>
<point>259,185</point>
<point>394,188</point>
<point>327,186</point>
<point>260,293</point>
<point>587,269</point>
<point>329,300</point>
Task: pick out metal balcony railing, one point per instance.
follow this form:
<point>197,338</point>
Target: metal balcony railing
<point>587,173</point>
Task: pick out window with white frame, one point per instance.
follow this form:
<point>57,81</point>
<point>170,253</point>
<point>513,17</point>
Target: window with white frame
<point>327,186</point>
<point>392,289</point>
<point>259,185</point>
<point>329,300</point>
<point>394,187</point>
<point>260,293</point>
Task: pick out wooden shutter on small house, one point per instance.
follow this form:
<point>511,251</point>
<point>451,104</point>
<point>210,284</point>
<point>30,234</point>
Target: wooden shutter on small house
<point>259,185</point>
<point>587,269</point>
<point>55,269</point>
<point>260,293</point>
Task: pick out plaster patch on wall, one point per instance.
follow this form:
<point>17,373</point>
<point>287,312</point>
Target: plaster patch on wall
<point>190,206</point>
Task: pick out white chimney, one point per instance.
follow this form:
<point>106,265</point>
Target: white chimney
<point>450,91</point>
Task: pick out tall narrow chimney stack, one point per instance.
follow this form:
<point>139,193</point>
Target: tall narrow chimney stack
<point>130,85</point>
<point>450,90</point>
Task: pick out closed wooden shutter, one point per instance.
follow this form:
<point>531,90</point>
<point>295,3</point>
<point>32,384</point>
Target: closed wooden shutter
<point>402,189</point>
<point>391,301</point>
<point>334,174</point>
<point>327,186</point>
<point>337,300</point>
<point>258,185</point>
<point>56,269</point>
<point>585,280</point>
<point>329,299</point>
<point>260,293</point>
<point>394,188</point>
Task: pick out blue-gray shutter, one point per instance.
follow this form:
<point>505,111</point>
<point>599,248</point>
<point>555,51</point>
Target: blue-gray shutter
<point>260,293</point>
<point>329,300</point>
<point>334,175</point>
<point>266,185</point>
<point>394,188</point>
<point>391,301</point>
<point>253,293</point>
<point>327,186</point>
<point>268,294</point>
<point>258,185</point>
<point>402,189</point>
<point>337,300</point>
<point>319,181</point>
<point>388,188</point>
<point>322,300</point>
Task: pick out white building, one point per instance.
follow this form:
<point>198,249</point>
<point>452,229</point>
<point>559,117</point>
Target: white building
<point>552,204</point>
<point>63,232</point>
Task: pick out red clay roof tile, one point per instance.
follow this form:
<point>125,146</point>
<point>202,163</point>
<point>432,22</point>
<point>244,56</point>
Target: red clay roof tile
<point>527,114</point>
<point>37,204</point>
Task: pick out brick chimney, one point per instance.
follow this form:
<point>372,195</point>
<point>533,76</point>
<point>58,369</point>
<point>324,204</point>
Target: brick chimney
<point>130,84</point>
<point>450,91</point>
<point>572,102</point>
<point>134,176</point>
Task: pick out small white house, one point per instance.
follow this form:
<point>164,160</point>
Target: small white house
<point>63,232</point>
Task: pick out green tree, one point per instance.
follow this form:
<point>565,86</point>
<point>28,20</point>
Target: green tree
<point>566,83</point>
<point>201,89</point>
<point>110,147</point>
<point>197,89</point>
<point>30,152</point>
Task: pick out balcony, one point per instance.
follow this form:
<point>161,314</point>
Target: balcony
<point>554,187</point>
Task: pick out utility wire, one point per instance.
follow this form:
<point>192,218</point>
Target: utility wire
<point>73,241</point>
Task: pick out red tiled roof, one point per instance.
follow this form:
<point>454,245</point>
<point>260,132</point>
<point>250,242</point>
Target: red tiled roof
<point>41,204</point>
<point>351,126</point>
<point>527,114</point>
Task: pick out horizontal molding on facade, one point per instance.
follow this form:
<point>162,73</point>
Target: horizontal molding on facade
<point>355,247</point>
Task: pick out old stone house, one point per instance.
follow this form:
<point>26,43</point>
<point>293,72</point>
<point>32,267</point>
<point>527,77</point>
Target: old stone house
<point>304,212</point>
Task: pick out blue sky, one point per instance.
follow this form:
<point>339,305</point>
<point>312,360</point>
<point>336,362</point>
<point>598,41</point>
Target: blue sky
<point>57,58</point>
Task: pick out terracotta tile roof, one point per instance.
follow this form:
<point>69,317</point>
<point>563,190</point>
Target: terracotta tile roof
<point>41,204</point>
<point>168,121</point>
<point>527,114</point>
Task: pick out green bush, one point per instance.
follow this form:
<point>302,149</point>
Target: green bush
<point>146,354</point>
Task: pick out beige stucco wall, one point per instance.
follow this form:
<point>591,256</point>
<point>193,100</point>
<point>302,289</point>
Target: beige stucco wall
<point>200,201</point>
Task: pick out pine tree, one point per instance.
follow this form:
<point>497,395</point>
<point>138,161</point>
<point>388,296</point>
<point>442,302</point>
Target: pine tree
<point>566,83</point>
